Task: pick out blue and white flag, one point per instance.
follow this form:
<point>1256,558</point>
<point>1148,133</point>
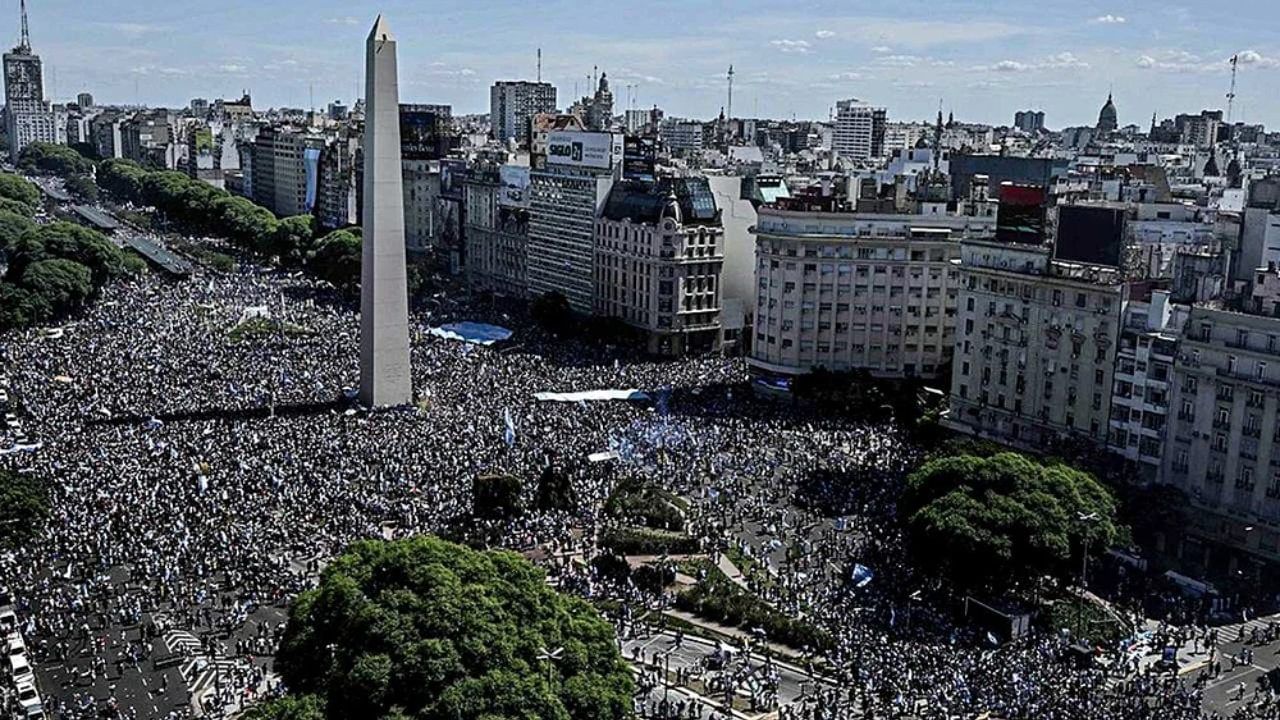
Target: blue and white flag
<point>509,435</point>
<point>862,575</point>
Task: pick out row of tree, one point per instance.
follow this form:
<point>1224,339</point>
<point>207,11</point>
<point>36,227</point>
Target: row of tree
<point>197,208</point>
<point>74,168</point>
<point>54,268</point>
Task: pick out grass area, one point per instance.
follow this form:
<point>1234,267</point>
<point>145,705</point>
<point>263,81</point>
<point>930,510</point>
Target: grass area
<point>648,505</point>
<point>719,599</point>
<point>261,328</point>
<point>1072,613</point>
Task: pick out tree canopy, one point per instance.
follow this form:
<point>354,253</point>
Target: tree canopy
<point>337,257</point>
<point>991,521</point>
<point>24,503</point>
<point>50,159</point>
<point>426,629</point>
<point>19,189</point>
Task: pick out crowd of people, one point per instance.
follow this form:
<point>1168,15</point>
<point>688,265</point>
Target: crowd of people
<point>201,475</point>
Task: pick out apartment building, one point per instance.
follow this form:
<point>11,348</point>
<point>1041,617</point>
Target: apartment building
<point>513,104</point>
<point>285,169</point>
<point>1149,338</point>
<point>844,290</point>
<point>1035,346</point>
<point>658,258</point>
<point>859,132</point>
<point>496,232</point>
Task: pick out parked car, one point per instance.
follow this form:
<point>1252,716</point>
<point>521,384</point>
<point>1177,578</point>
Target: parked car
<point>8,619</point>
<point>20,669</point>
<point>29,705</point>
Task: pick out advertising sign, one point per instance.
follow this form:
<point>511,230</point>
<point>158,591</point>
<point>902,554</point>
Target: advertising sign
<point>1021,215</point>
<point>452,173</point>
<point>639,157</point>
<point>424,132</point>
<point>1093,235</point>
<point>583,149</point>
<point>515,186</point>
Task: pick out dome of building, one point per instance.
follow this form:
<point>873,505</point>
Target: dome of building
<point>1107,120</point>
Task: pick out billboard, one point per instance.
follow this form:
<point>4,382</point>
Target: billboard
<point>452,173</point>
<point>1090,234</point>
<point>639,157</point>
<point>424,132</point>
<point>515,186</point>
<point>1021,217</point>
<point>583,149</point>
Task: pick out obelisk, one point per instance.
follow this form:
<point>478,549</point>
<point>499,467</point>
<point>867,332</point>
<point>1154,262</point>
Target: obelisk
<point>384,295</point>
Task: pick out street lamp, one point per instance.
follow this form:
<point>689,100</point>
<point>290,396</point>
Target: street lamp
<point>549,657</point>
<point>1084,570</point>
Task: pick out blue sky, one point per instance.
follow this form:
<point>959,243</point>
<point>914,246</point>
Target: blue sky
<point>981,59</point>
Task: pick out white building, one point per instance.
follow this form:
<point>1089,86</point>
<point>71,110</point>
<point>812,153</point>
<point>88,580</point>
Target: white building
<point>682,136</point>
<point>849,291</point>
<point>859,132</point>
<point>1143,378</point>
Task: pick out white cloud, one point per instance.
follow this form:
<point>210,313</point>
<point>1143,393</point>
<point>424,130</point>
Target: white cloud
<point>791,46</point>
<point>1253,57</point>
<point>1059,61</point>
<point>1110,20</point>
<point>132,29</point>
<point>882,49</point>
<point>824,34</point>
<point>346,20</point>
<point>1146,61</point>
<point>232,68</point>
<point>845,76</point>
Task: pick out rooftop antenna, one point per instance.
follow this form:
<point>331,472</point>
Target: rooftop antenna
<point>730,92</point>
<point>1231,95</point>
<point>311,96</point>
<point>25,44</point>
<point>539,64</point>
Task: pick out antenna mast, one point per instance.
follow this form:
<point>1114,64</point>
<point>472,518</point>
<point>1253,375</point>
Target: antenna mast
<point>1230,96</point>
<point>730,92</point>
<point>539,64</point>
<point>25,44</point>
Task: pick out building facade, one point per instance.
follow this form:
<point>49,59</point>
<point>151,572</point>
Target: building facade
<point>859,130</point>
<point>659,252</point>
<point>512,105</point>
<point>1035,346</point>
<point>1029,121</point>
<point>857,291</point>
<point>285,169</point>
<point>28,118</point>
<point>496,235</point>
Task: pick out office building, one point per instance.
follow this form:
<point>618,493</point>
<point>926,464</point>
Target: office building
<point>859,130</point>
<point>336,196</point>
<point>1149,337</point>
<point>28,118</point>
<point>496,229</point>
<point>659,252</point>
<point>148,138</point>
<point>285,169</point>
<point>84,100</point>
<point>683,136</point>
<point>565,197</point>
<point>512,106</point>
<point>1029,121</point>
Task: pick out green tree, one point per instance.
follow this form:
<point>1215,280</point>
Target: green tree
<point>423,628</point>
<point>293,239</point>
<point>81,186</point>
<point>989,522</point>
<point>50,159</point>
<point>12,226</point>
<point>20,307</point>
<point>84,245</point>
<point>337,258</point>
<point>17,208</point>
<point>24,504</point>
<point>122,178</point>
<point>555,491</point>
<point>496,497</point>
<point>19,189</point>
<point>64,284</point>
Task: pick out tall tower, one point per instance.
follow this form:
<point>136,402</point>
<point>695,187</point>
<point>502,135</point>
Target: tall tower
<point>385,378</point>
<point>27,118</point>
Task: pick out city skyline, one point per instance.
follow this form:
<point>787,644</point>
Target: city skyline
<point>983,68</point>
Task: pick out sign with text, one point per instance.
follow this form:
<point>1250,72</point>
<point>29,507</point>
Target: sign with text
<point>583,149</point>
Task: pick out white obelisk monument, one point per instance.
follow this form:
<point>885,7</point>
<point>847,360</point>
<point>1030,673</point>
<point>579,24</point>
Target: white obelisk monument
<point>384,295</point>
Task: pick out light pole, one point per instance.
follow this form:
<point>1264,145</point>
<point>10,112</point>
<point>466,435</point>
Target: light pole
<point>1084,519</point>
<point>549,657</point>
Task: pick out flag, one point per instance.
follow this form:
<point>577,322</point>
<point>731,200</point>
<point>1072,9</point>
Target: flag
<point>509,435</point>
<point>862,575</point>
<point>893,617</point>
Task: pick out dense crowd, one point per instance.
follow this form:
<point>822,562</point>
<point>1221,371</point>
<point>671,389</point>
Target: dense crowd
<point>202,475</point>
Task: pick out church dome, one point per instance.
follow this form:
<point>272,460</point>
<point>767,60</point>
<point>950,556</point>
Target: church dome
<point>1107,119</point>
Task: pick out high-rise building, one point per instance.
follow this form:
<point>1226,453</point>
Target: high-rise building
<point>28,118</point>
<point>859,130</point>
<point>286,169</point>
<point>1029,121</point>
<point>84,100</point>
<point>200,108</point>
<point>565,196</point>
<point>512,104</point>
<point>496,203</point>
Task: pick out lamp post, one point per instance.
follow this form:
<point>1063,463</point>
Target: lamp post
<point>1084,519</point>
<point>549,657</point>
